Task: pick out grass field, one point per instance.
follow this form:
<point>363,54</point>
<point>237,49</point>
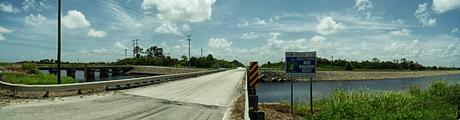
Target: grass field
<point>438,102</point>
<point>35,79</point>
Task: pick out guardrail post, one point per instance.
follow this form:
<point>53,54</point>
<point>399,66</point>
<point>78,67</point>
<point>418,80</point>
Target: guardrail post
<point>71,73</point>
<point>103,72</point>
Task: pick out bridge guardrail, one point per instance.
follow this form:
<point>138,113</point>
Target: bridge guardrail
<point>246,98</point>
<point>38,91</point>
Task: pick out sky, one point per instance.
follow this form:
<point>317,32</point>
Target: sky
<point>426,31</point>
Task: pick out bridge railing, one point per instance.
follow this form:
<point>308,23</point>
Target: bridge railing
<point>38,91</point>
<point>246,98</point>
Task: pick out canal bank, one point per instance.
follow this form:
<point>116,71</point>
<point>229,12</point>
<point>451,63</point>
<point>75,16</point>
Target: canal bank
<point>280,91</point>
<point>277,75</point>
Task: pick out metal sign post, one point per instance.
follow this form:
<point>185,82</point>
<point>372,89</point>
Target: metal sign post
<point>300,65</point>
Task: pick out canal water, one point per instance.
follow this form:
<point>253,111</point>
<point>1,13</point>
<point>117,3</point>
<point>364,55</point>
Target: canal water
<point>79,75</point>
<point>280,91</point>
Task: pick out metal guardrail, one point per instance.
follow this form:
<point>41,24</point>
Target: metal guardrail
<point>37,91</point>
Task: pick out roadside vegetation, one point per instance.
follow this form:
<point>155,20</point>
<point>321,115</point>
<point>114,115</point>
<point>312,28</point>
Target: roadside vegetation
<point>28,73</point>
<point>403,64</point>
<point>438,102</point>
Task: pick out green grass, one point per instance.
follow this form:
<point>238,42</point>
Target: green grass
<point>35,79</point>
<point>438,102</point>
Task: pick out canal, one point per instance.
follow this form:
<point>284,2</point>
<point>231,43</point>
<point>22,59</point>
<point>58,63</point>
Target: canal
<point>280,91</point>
<point>79,75</point>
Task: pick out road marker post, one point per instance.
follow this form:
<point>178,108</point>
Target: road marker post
<point>253,75</point>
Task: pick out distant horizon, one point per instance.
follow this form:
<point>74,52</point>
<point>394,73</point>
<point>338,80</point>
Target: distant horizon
<point>425,31</point>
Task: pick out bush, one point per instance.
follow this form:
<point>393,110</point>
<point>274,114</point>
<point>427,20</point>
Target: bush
<point>30,68</point>
<point>348,67</point>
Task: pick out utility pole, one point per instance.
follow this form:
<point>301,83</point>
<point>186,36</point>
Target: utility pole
<point>134,47</point>
<point>189,39</point>
<point>201,52</point>
<point>332,62</point>
<point>126,52</point>
<point>59,44</point>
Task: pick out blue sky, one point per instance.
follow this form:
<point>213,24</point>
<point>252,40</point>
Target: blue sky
<point>262,30</point>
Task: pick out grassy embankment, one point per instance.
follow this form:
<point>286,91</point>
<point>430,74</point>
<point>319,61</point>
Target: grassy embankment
<point>438,102</point>
<point>30,75</point>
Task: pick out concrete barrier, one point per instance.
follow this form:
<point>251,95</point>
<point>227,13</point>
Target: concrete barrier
<point>39,91</point>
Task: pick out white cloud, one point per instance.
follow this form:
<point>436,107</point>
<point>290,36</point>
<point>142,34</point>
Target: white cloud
<point>75,19</point>
<point>402,32</point>
<point>35,20</point>
<point>180,10</point>
<point>423,15</point>
<point>219,43</point>
<point>328,26</point>
<point>186,27</point>
<point>34,5</point>
<point>441,6</point>
<point>243,24</point>
<point>454,30</point>
<point>172,11</point>
<point>319,41</point>
<point>274,18</point>
<point>250,35</point>
<point>259,21</point>
<point>4,31</point>
<point>119,46</point>
<point>362,5</point>
<point>96,33</point>
<point>8,7</point>
<point>100,51</point>
<point>406,48</point>
<point>168,27</point>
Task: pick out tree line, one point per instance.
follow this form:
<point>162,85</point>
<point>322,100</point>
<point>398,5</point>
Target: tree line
<point>375,63</point>
<point>155,56</point>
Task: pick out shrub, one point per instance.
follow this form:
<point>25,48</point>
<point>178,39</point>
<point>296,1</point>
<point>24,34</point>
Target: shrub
<point>348,67</point>
<point>30,68</point>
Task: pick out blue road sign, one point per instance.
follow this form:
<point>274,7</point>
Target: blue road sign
<point>300,64</point>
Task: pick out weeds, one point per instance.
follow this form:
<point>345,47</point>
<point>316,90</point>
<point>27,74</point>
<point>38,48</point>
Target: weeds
<point>35,79</point>
<point>439,101</point>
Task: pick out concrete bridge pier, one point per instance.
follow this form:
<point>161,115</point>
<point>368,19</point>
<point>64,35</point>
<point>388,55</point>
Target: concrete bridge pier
<point>71,72</point>
<point>116,71</point>
<point>103,73</point>
<point>52,71</point>
<point>90,74</point>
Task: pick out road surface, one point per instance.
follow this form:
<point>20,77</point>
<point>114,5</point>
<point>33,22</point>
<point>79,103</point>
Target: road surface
<point>203,98</point>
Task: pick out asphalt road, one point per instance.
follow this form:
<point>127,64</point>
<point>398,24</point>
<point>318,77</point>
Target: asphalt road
<point>203,98</point>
